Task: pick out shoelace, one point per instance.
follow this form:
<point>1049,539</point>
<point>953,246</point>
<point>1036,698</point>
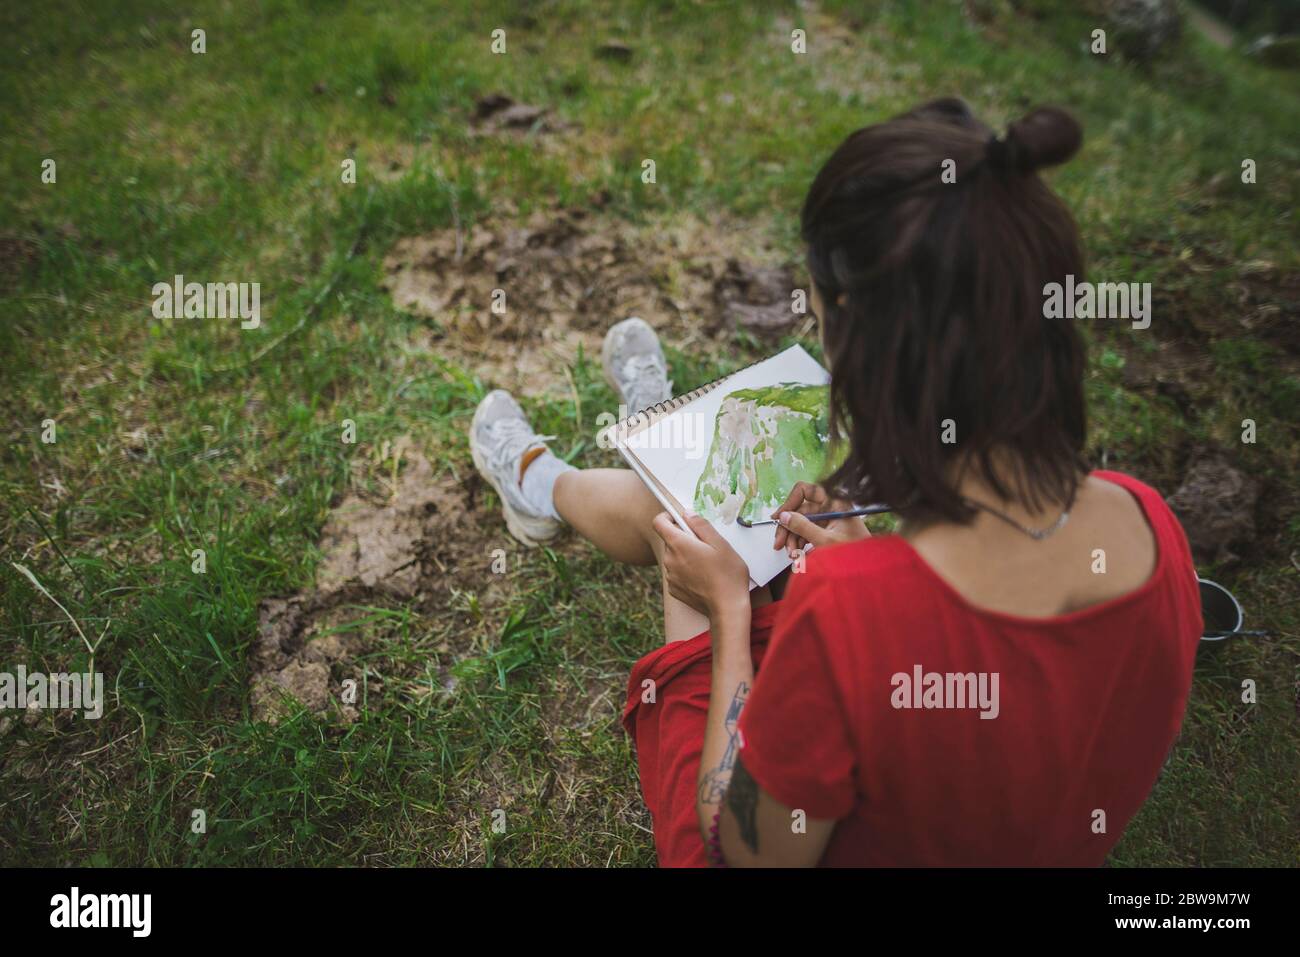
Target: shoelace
<point>507,440</point>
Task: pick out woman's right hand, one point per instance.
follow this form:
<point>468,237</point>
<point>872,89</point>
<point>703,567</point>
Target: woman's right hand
<point>794,531</point>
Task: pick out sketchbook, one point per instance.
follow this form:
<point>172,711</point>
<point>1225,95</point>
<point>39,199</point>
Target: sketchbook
<point>734,448</point>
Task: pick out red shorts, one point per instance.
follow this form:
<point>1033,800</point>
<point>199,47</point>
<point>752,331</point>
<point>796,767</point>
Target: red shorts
<point>666,721</point>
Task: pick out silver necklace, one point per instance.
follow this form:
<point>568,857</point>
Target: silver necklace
<point>1037,534</point>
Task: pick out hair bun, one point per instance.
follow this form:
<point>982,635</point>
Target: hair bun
<point>1047,136</point>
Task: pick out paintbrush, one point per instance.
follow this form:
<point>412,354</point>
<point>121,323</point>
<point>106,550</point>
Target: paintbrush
<point>824,516</point>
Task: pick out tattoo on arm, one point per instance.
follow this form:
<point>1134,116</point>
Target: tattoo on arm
<point>742,798</point>
<point>713,785</point>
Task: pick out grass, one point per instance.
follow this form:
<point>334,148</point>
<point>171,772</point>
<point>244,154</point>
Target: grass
<point>175,435</point>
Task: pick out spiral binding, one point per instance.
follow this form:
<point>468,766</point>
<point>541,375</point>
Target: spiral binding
<point>675,403</point>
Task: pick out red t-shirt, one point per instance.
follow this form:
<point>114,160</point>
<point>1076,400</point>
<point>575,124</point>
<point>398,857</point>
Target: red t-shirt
<point>1087,707</point>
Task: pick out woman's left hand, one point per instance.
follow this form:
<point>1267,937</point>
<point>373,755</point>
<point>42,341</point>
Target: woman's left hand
<point>705,572</point>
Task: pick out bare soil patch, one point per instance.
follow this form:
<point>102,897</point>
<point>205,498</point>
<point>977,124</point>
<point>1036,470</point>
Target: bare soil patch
<point>560,277</point>
<point>410,547</point>
<point>498,114</point>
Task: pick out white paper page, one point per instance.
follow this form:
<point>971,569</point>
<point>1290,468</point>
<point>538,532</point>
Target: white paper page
<point>676,451</point>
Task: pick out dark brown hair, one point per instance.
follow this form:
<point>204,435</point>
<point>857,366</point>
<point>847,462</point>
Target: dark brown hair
<point>942,311</point>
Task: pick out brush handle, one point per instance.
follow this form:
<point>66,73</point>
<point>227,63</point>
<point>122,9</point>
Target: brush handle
<point>831,516</point>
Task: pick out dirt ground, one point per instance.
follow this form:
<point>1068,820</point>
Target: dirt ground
<point>565,275</point>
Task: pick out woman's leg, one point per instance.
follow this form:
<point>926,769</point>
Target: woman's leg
<point>612,509</point>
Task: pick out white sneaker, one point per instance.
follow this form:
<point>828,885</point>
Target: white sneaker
<point>498,438</point>
<point>634,365</point>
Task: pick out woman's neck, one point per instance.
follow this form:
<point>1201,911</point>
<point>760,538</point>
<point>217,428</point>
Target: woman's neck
<point>969,482</point>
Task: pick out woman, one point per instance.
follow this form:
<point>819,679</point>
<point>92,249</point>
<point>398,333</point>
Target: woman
<point>999,682</point>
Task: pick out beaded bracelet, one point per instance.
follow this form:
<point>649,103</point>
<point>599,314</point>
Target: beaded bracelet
<point>713,846</point>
